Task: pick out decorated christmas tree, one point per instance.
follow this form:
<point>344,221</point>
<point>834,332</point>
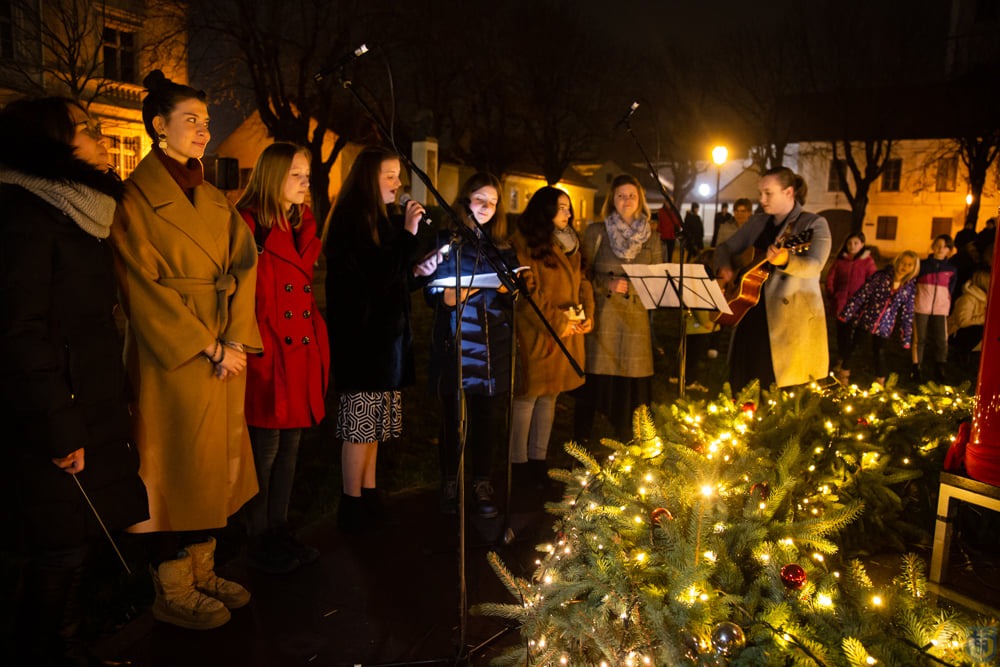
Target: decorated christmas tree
<point>726,533</point>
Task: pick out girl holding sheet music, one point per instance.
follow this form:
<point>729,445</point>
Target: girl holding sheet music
<point>546,241</point>
<point>486,316</point>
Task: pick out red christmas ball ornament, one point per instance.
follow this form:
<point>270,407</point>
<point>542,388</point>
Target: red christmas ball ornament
<point>763,489</point>
<point>661,513</point>
<point>862,421</point>
<point>793,576</point>
<point>748,408</point>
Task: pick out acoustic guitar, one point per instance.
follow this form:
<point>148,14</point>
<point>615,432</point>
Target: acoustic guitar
<point>744,294</point>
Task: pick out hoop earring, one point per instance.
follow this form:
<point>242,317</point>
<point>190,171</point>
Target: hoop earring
<point>162,143</point>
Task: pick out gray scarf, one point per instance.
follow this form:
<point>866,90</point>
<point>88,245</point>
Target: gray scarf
<point>91,210</point>
<point>627,238</point>
<point>566,239</point>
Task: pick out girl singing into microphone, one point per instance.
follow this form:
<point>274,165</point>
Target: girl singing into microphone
<point>370,271</point>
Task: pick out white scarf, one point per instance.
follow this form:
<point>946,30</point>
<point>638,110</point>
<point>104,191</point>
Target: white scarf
<point>566,239</point>
<point>627,238</point>
<point>91,210</point>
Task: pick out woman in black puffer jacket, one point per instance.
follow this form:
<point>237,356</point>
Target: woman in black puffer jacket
<point>62,383</point>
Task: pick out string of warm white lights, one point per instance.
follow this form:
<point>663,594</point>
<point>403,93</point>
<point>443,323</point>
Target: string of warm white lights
<point>719,533</point>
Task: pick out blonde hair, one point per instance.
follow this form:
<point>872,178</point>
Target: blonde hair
<point>916,265</point>
<point>620,180</point>
<point>267,185</point>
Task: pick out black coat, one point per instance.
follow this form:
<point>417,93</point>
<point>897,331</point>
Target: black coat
<point>368,305</point>
<point>62,382</point>
<point>486,329</point>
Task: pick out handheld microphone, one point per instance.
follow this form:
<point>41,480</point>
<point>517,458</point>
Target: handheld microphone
<point>406,199</point>
<point>628,114</point>
<point>342,62</point>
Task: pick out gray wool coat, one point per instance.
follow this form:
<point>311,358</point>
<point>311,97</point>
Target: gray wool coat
<point>795,315</point>
<point>620,343</point>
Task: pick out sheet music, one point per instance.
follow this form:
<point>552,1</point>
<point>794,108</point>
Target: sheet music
<point>479,281</point>
<point>654,283</point>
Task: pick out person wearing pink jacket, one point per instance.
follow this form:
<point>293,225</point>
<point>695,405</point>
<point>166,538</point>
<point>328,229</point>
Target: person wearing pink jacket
<point>849,272</point>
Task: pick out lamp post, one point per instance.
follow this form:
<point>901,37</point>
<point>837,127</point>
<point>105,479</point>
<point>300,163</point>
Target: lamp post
<point>719,155</point>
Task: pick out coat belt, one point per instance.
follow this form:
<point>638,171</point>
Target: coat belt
<point>224,286</point>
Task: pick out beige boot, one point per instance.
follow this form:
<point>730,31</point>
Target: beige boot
<point>227,592</point>
<point>178,603</point>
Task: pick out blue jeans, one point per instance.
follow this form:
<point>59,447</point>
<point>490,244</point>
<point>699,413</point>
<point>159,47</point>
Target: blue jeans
<point>275,452</point>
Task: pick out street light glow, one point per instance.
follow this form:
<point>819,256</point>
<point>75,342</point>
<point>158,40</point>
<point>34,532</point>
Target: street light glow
<point>719,155</point>
<point>704,189</point>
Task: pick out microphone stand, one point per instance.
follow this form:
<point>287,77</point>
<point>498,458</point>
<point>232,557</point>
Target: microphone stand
<point>681,237</point>
<point>510,280</point>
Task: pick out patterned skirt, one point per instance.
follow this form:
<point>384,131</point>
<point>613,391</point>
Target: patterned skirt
<point>370,416</point>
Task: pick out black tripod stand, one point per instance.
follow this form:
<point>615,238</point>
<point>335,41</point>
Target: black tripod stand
<point>681,238</point>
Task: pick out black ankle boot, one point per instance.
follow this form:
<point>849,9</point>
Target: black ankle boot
<point>539,474</point>
<point>351,515</point>
<point>375,510</point>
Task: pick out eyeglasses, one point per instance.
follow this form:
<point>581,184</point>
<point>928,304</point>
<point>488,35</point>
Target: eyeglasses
<point>91,128</point>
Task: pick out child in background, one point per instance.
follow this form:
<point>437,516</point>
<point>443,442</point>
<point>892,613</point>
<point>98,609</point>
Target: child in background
<point>967,319</point>
<point>932,305</point>
<point>884,300</point>
<point>854,265</point>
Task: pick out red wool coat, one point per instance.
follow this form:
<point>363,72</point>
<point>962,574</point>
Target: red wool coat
<point>287,382</point>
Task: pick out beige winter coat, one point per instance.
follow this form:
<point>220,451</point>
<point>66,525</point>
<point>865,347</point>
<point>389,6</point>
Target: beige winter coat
<point>795,315</point>
<point>187,273</point>
<point>542,367</point>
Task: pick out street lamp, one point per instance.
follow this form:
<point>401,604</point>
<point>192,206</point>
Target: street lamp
<point>719,155</point>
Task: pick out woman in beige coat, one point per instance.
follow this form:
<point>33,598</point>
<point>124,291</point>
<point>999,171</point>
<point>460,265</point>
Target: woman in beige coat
<point>186,266</point>
<point>546,241</point>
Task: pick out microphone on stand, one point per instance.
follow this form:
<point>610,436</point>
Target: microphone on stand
<point>406,199</point>
<point>628,114</point>
<point>341,63</point>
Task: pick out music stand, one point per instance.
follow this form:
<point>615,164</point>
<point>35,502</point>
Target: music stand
<point>659,286</point>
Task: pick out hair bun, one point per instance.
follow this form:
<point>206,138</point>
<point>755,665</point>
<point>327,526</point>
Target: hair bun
<point>155,80</point>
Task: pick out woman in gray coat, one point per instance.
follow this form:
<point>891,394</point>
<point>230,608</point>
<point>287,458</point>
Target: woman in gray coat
<point>782,339</point>
<point>619,349</point>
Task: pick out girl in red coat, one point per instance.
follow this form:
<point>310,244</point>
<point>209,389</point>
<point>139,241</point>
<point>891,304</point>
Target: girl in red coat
<point>853,267</point>
<point>286,383</point>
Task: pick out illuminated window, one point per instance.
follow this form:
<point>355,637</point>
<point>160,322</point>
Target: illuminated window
<point>885,227</point>
<point>940,226</point>
<point>891,175</point>
<point>947,174</point>
<point>119,55</point>
<point>124,150</point>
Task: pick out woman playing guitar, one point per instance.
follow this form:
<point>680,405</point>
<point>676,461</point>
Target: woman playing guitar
<point>782,339</point>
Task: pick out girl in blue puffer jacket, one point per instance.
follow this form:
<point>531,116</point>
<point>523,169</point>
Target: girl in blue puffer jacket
<point>882,303</point>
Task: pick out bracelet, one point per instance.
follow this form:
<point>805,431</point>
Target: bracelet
<point>215,350</point>
<point>222,356</point>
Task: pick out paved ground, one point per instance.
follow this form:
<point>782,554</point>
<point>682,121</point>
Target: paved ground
<point>391,598</point>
